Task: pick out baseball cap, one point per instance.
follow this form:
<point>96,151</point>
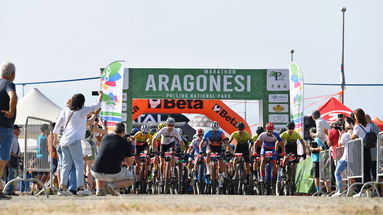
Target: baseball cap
<point>17,126</point>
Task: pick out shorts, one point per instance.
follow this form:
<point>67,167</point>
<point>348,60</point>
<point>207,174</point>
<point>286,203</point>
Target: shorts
<point>215,149</point>
<point>123,175</point>
<point>166,148</point>
<point>244,149</point>
<point>291,148</point>
<point>6,136</point>
<point>264,150</point>
<point>141,148</point>
<point>316,169</point>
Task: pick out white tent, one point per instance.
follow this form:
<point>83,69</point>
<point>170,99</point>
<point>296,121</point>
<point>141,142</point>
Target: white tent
<point>36,104</point>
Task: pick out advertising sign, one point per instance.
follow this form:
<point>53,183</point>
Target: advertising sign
<point>198,83</point>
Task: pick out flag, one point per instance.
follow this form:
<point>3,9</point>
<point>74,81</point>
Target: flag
<point>111,86</point>
<point>296,96</point>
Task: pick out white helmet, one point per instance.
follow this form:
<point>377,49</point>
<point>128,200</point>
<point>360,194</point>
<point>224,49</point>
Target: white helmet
<point>170,121</point>
<point>214,126</point>
<point>145,129</point>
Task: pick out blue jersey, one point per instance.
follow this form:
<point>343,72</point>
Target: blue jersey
<point>315,156</point>
<point>214,138</point>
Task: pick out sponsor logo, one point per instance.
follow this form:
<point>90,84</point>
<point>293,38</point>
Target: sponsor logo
<point>135,109</point>
<point>333,115</point>
<point>278,98</point>
<point>225,114</point>
<point>278,108</point>
<point>172,103</point>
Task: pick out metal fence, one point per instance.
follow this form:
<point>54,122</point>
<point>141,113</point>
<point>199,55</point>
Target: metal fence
<point>379,157</point>
<point>37,135</point>
<point>355,163</point>
<point>339,155</point>
<point>325,166</point>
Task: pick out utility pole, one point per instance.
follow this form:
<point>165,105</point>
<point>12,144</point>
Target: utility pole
<point>343,10</point>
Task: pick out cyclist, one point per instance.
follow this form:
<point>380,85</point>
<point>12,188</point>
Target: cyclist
<point>290,138</point>
<point>194,147</point>
<point>214,139</point>
<point>257,151</point>
<point>168,135</point>
<point>141,139</point>
<point>269,141</point>
<point>243,139</point>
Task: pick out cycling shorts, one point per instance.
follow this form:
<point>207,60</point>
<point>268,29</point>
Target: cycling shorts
<point>291,147</point>
<point>244,149</point>
<point>166,148</point>
<point>264,150</point>
<point>215,149</point>
<point>141,148</point>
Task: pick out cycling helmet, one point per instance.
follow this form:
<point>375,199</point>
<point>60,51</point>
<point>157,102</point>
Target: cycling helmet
<point>134,131</point>
<point>145,129</point>
<point>153,131</point>
<point>214,126</point>
<point>270,126</point>
<point>199,132</point>
<point>290,126</point>
<point>160,126</point>
<point>260,130</point>
<point>170,121</point>
<point>240,125</point>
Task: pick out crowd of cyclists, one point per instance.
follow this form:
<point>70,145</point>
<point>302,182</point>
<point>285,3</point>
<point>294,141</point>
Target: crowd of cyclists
<point>213,163</point>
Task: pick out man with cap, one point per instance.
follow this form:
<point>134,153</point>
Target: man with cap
<point>13,164</point>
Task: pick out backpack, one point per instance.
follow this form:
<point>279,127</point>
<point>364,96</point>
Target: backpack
<point>369,141</point>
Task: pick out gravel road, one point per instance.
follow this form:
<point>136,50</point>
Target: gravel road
<point>190,204</point>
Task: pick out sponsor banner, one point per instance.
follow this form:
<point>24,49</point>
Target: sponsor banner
<point>216,110</point>
<point>278,98</point>
<point>296,97</point>
<point>112,85</point>
<point>198,83</point>
<point>278,108</point>
<point>277,80</point>
<point>279,118</point>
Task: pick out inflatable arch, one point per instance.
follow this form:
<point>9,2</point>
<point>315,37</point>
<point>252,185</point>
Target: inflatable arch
<point>215,110</point>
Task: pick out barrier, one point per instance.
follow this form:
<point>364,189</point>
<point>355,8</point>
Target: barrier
<point>325,166</point>
<point>355,163</point>
<point>339,154</point>
<point>379,166</point>
<point>35,153</point>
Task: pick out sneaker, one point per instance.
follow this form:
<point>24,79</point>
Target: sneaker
<point>100,193</point>
<point>112,189</point>
<point>84,192</point>
<point>4,197</point>
<point>64,193</point>
<point>337,194</point>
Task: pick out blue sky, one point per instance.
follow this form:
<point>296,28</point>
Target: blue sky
<point>53,40</point>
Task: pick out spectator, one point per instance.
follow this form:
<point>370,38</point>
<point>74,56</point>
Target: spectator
<point>360,130</point>
<point>107,166</point>
<point>42,153</point>
<point>316,147</point>
<point>376,130</point>
<point>8,101</point>
<point>321,126</point>
<point>52,147</point>
<point>73,120</point>
<point>333,137</point>
<point>14,163</point>
<point>342,163</point>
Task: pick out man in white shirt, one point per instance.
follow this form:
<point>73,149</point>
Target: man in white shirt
<point>321,125</point>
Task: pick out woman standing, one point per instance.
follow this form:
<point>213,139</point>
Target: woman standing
<point>360,130</point>
<point>73,120</point>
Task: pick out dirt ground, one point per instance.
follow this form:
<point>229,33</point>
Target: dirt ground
<point>190,204</point>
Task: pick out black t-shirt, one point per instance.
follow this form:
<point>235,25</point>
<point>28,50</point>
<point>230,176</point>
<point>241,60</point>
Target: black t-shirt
<point>5,87</point>
<point>112,152</point>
